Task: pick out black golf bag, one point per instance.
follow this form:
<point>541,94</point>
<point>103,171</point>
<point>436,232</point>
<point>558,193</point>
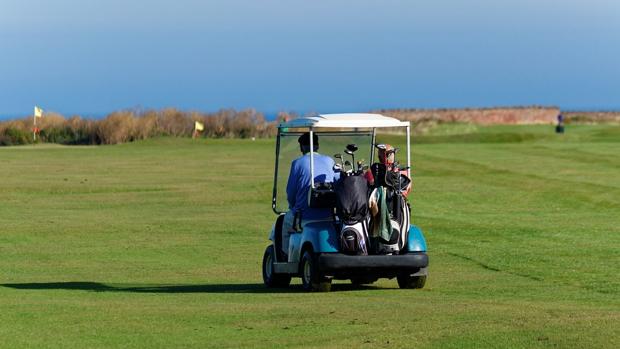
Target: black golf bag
<point>352,208</point>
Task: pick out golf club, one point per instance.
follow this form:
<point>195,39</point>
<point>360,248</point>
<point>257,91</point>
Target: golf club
<point>351,149</point>
<point>339,156</point>
<point>350,170</point>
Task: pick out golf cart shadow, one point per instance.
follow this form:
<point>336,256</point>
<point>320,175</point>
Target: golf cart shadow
<point>195,288</point>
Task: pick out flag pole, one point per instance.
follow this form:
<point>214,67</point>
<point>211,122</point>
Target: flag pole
<point>34,127</point>
<point>38,112</point>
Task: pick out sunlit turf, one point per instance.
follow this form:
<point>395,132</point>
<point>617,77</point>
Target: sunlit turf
<point>159,243</point>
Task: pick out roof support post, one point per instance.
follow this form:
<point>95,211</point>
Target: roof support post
<point>311,158</point>
<point>372,145</point>
<point>409,151</point>
<point>275,174</point>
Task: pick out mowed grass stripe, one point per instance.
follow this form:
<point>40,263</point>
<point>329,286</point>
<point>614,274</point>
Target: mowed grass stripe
<point>527,217</point>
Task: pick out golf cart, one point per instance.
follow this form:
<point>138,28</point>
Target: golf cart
<point>343,247</point>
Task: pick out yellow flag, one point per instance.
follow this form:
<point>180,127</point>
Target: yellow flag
<point>199,126</point>
<point>38,112</point>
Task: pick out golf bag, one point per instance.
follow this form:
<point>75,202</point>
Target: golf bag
<point>400,218</point>
<point>390,226</point>
<point>352,209</point>
<point>354,238</point>
<point>351,199</point>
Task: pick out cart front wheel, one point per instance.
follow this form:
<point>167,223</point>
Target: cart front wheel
<point>360,281</point>
<point>408,281</point>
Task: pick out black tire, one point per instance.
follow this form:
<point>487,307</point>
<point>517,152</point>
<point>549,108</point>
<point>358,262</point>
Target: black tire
<point>311,279</point>
<point>270,278</point>
<point>408,281</point>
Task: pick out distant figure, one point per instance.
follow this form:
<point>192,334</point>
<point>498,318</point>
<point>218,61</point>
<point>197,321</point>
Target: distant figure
<point>559,128</point>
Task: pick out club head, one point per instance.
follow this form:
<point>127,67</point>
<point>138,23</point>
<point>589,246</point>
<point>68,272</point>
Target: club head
<point>338,156</point>
<point>348,151</point>
<point>348,163</point>
<point>360,166</point>
<point>352,148</point>
<point>337,168</point>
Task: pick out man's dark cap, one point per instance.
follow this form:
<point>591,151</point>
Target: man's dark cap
<point>304,139</point>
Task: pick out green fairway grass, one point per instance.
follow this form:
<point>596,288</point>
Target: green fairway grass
<point>158,244</point>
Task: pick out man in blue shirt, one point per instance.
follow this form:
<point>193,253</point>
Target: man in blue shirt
<point>298,186</point>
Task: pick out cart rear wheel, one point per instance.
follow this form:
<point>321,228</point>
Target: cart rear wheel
<point>271,278</point>
<point>311,278</point>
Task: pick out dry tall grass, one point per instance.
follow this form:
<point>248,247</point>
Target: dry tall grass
<point>127,126</point>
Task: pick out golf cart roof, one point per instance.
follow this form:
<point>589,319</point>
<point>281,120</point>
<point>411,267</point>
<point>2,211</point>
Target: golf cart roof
<point>347,120</point>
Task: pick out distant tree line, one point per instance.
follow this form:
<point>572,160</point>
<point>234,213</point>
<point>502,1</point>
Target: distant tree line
<point>129,126</point>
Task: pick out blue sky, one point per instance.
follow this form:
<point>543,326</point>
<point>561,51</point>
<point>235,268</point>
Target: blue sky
<point>93,57</point>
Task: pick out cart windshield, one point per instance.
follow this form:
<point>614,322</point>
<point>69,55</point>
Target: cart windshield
<point>330,143</point>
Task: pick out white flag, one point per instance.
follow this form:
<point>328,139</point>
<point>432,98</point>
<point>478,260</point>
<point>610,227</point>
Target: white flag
<point>38,112</point>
